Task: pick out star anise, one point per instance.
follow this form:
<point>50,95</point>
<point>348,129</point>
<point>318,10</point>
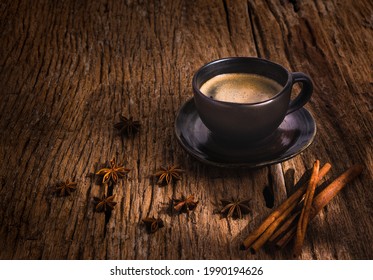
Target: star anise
<point>235,208</point>
<point>127,126</point>
<point>105,203</point>
<point>184,205</point>
<point>167,175</point>
<point>111,175</point>
<point>153,224</point>
<point>65,188</point>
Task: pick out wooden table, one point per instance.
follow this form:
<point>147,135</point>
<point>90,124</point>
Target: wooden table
<point>69,69</point>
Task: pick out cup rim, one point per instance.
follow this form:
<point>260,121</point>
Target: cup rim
<point>232,58</point>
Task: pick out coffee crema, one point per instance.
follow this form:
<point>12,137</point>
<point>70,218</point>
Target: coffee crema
<point>240,88</point>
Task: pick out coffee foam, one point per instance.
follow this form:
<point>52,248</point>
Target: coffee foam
<point>240,88</point>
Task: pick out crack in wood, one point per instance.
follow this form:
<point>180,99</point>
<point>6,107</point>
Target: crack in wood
<point>227,17</point>
<point>108,213</point>
<point>311,33</point>
<point>296,5</point>
<point>253,29</point>
<point>289,180</point>
<point>268,192</point>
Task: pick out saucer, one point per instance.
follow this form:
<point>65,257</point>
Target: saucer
<point>293,136</point>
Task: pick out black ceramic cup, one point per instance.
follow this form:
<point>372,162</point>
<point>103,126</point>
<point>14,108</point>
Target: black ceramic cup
<point>249,121</point>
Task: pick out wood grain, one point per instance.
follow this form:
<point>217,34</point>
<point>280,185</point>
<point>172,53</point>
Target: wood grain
<point>68,69</point>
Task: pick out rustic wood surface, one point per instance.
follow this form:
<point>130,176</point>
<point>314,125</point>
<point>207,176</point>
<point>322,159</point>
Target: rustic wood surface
<point>70,68</point>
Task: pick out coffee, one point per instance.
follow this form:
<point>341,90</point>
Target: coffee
<point>244,118</point>
<point>240,88</point>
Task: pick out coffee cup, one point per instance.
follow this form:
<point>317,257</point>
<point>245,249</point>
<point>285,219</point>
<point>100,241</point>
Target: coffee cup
<point>246,98</point>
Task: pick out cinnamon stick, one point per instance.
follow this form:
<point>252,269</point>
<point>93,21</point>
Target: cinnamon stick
<point>263,238</point>
<point>323,198</point>
<point>285,239</point>
<point>292,201</point>
<point>283,229</point>
<point>306,210</point>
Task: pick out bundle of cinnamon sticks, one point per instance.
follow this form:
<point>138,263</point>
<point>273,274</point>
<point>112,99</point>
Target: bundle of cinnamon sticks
<point>290,220</point>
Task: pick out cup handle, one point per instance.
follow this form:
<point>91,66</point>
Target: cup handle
<point>305,93</point>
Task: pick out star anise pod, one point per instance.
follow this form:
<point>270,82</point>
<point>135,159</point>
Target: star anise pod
<point>105,203</point>
<point>127,126</point>
<point>111,175</point>
<point>235,208</point>
<point>65,188</point>
<point>184,205</point>
<point>168,175</point>
<point>153,224</point>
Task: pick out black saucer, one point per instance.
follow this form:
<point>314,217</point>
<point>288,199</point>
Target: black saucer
<point>294,135</point>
